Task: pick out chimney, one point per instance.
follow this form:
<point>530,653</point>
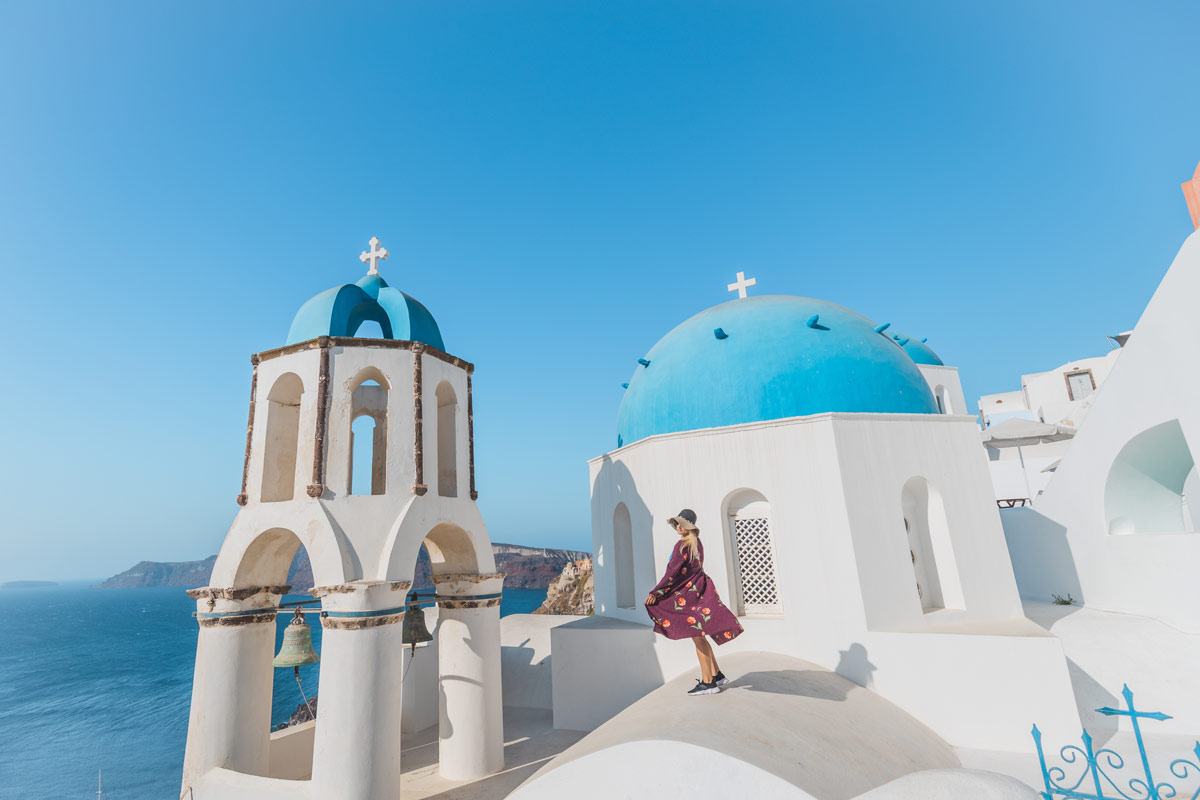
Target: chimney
<point>1191,193</point>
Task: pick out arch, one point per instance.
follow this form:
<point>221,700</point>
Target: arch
<point>1146,484</point>
<point>750,547</point>
<point>931,550</point>
<point>267,559</point>
<point>369,328</point>
<point>422,522</point>
<point>368,398</point>
<point>447,440</point>
<point>451,550</point>
<point>623,556</point>
<point>943,400</point>
<point>282,439</point>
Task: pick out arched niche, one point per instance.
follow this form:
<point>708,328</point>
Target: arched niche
<point>282,439</point>
<point>750,547</point>
<point>451,550</point>
<point>943,400</point>
<point>931,551</point>
<point>1148,482</point>
<point>623,557</point>
<point>447,440</point>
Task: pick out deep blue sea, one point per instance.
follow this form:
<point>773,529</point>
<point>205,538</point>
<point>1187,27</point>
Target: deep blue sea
<point>101,679</point>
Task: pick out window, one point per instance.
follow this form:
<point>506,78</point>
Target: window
<point>447,444</point>
<point>282,439</point>
<point>1080,384</point>
<point>623,556</point>
<point>756,590</point>
<point>368,433</point>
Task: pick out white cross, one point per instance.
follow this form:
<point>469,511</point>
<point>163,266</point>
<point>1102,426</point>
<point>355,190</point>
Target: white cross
<point>376,252</point>
<point>742,285</point>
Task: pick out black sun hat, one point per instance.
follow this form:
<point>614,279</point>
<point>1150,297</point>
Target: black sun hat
<point>685,519</point>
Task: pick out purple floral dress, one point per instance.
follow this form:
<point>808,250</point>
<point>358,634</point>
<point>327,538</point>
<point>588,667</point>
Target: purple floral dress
<point>688,605</point>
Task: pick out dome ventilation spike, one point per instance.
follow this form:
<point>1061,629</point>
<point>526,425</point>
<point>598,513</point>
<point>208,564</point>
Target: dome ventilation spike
<point>812,321</point>
<point>924,339</point>
<point>902,342</point>
<point>883,327</point>
<point>624,385</point>
<point>643,362</point>
<point>720,333</point>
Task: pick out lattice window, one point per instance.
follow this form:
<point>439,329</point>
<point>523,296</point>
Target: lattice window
<point>756,565</point>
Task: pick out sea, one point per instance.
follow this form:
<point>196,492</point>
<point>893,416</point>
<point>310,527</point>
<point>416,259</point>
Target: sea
<point>101,679</point>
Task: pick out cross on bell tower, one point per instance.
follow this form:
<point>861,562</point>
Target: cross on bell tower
<point>373,255</point>
<point>741,285</point>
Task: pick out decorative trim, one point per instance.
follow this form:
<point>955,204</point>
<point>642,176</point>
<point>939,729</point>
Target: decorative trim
<point>451,605</point>
<point>467,577</point>
<point>231,622</point>
<point>243,593</point>
<point>330,622</point>
<point>347,341</point>
<point>419,487</point>
<point>471,436</point>
<point>243,498</point>
<point>317,487</point>
<point>350,588</point>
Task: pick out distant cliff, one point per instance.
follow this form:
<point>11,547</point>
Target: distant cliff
<point>527,568</point>
<point>573,592</point>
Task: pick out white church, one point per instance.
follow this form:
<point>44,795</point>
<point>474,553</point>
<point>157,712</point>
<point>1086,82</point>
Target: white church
<point>899,636</point>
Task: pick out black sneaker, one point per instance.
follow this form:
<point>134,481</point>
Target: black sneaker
<point>719,679</point>
<point>704,688</point>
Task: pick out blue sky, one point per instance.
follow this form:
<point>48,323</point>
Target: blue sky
<point>560,183</point>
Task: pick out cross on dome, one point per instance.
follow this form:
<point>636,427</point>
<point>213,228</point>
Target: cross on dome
<point>373,255</point>
<point>741,285</point>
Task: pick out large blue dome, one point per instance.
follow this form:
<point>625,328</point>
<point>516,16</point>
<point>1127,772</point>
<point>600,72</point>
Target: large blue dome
<point>768,357</point>
<point>341,310</point>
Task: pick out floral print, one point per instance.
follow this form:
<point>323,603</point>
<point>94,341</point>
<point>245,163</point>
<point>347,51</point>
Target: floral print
<point>693,602</point>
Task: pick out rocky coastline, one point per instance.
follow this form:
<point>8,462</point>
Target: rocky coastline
<point>572,592</point>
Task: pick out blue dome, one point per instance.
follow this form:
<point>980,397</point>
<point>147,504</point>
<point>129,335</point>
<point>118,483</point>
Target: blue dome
<point>917,350</point>
<point>340,310</point>
<point>769,357</point>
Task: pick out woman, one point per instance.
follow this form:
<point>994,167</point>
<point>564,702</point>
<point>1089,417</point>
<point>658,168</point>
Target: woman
<point>685,605</point>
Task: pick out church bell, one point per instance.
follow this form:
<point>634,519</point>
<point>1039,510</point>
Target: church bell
<point>297,649</point>
<point>413,630</point>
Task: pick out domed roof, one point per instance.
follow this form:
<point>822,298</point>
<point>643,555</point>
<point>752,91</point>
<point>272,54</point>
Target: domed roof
<point>340,310</point>
<point>768,357</point>
<point>917,350</point>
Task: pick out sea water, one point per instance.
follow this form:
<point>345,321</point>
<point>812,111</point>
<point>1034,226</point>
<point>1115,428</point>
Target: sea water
<point>95,679</point>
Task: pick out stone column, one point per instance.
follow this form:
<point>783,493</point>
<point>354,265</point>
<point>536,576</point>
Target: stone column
<point>356,754</point>
<point>230,721</point>
<point>471,720</point>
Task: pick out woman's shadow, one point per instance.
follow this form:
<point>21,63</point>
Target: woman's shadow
<point>853,668</point>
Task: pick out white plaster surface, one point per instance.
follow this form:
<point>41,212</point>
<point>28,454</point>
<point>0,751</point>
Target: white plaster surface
<point>953,784</point>
<point>525,661</point>
<point>782,727</point>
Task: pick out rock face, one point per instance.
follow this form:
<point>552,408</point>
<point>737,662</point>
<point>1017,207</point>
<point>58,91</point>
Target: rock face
<point>527,568</point>
<point>572,592</point>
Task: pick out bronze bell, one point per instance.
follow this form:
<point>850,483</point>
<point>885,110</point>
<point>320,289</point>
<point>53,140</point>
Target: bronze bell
<point>296,649</point>
<point>413,630</point>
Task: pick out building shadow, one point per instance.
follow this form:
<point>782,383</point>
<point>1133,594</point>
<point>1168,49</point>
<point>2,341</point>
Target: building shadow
<point>854,665</point>
<point>817,684</point>
<point>1041,557</point>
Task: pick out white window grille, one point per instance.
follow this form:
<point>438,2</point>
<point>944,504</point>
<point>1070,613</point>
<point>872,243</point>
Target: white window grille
<point>755,549</point>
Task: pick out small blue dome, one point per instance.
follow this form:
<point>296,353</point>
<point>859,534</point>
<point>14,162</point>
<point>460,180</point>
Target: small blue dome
<point>768,357</point>
<point>341,310</point>
<point>917,350</point>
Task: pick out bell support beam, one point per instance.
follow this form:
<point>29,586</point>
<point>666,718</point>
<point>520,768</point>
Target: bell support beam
<point>471,713</point>
<point>356,754</point>
<point>230,720</point>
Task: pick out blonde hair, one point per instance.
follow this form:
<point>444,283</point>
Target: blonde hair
<point>691,543</point>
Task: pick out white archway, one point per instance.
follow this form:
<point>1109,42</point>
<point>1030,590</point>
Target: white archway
<point>1148,481</point>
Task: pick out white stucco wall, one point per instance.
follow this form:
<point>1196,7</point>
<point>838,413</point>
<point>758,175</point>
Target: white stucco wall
<point>835,484</point>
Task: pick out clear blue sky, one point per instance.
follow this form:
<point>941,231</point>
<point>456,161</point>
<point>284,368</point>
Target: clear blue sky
<point>560,183</point>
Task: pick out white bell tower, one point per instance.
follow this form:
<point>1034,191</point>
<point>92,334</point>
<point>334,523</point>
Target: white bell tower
<point>363,542</point>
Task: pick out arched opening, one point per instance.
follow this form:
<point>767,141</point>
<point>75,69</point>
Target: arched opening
<point>751,546</point>
<point>369,329</point>
<point>1150,483</point>
<point>943,402</point>
<point>935,571</point>
<point>368,433</point>
<point>623,556</point>
<point>277,557</point>
<point>447,440</point>
<point>282,439</point>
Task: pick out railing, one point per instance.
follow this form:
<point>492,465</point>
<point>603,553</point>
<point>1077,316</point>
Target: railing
<point>1100,766</point>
